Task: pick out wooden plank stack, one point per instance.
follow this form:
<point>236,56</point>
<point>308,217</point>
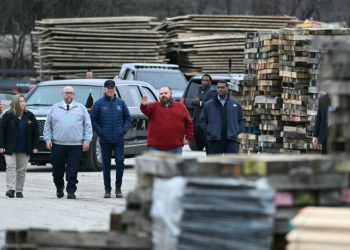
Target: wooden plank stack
<point>294,69</point>
<point>214,39</point>
<point>335,79</point>
<point>67,47</point>
<point>269,103</point>
<point>299,180</point>
<point>249,138</point>
<point>321,228</point>
<point>209,53</point>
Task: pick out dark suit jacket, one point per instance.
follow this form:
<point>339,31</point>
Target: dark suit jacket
<point>204,94</point>
<point>321,124</point>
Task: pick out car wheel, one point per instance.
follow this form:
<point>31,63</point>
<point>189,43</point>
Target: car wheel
<point>94,158</point>
<point>196,144</point>
<point>2,163</point>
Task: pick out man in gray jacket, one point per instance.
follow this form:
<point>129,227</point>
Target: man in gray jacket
<point>67,133</point>
<point>204,94</point>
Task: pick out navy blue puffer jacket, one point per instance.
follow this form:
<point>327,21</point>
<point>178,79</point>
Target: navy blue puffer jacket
<point>110,119</point>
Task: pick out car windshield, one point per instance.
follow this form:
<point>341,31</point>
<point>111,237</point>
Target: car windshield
<point>6,96</point>
<point>49,95</point>
<point>174,80</point>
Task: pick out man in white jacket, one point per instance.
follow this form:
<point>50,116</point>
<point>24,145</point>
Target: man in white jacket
<point>67,133</point>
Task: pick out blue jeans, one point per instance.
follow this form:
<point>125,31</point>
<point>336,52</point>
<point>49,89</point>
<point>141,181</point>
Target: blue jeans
<point>174,151</point>
<point>106,150</point>
<point>61,156</point>
<point>222,147</point>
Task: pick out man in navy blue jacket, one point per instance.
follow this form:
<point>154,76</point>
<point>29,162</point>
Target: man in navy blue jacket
<point>222,119</point>
<point>111,120</point>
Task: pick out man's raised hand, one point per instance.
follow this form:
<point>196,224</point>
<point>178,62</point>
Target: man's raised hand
<point>144,100</point>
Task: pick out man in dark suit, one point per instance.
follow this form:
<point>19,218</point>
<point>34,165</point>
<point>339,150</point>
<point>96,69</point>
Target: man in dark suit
<point>204,94</point>
<point>321,125</point>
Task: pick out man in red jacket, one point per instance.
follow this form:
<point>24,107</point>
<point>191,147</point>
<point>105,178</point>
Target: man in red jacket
<point>170,125</point>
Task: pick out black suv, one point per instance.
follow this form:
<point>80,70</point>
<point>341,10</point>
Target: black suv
<point>158,75</point>
<point>189,93</point>
<point>45,94</point>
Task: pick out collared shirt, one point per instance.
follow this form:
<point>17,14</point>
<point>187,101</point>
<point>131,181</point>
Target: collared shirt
<point>222,101</point>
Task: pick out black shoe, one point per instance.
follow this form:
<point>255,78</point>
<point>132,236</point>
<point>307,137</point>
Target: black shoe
<point>60,193</point>
<point>71,196</point>
<point>118,193</point>
<point>10,193</point>
<point>19,195</point>
<point>107,195</point>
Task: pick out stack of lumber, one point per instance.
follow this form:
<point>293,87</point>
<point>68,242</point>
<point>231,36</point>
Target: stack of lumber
<point>246,212</point>
<point>251,52</point>
<point>248,140</point>
<point>204,43</point>
<point>294,68</point>
<point>269,103</point>
<point>335,80</point>
<point>200,54</point>
<point>321,228</point>
<point>36,239</point>
<point>305,180</point>
<point>67,47</point>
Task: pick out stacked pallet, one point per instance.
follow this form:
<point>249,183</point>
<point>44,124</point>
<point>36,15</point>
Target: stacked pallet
<point>249,138</point>
<point>294,69</point>
<point>251,52</point>
<point>204,43</point>
<point>36,239</point>
<point>335,79</point>
<point>181,206</point>
<point>299,181</point>
<point>67,47</point>
<point>320,228</point>
<point>269,103</point>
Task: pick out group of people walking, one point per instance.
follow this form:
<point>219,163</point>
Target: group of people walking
<point>67,132</point>
<point>69,128</point>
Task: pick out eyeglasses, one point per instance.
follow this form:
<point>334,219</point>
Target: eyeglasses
<point>69,93</point>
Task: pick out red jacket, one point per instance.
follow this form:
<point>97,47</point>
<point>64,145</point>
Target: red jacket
<point>167,125</point>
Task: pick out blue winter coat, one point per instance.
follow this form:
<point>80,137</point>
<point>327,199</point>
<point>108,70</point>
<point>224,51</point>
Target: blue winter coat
<point>110,119</point>
<point>211,123</point>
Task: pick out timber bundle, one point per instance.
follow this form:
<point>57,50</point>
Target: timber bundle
<point>66,48</point>
<point>204,43</point>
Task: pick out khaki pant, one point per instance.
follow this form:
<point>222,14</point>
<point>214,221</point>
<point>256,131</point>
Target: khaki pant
<point>16,167</point>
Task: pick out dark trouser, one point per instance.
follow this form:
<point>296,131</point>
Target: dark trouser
<point>324,148</point>
<point>222,147</point>
<point>204,140</point>
<point>106,150</point>
<point>61,156</point>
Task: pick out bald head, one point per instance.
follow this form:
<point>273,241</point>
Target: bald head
<point>68,94</point>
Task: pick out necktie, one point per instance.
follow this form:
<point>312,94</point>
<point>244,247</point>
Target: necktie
<point>67,107</point>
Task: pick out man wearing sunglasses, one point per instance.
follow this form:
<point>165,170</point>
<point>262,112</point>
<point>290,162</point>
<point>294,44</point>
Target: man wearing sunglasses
<point>67,132</point>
